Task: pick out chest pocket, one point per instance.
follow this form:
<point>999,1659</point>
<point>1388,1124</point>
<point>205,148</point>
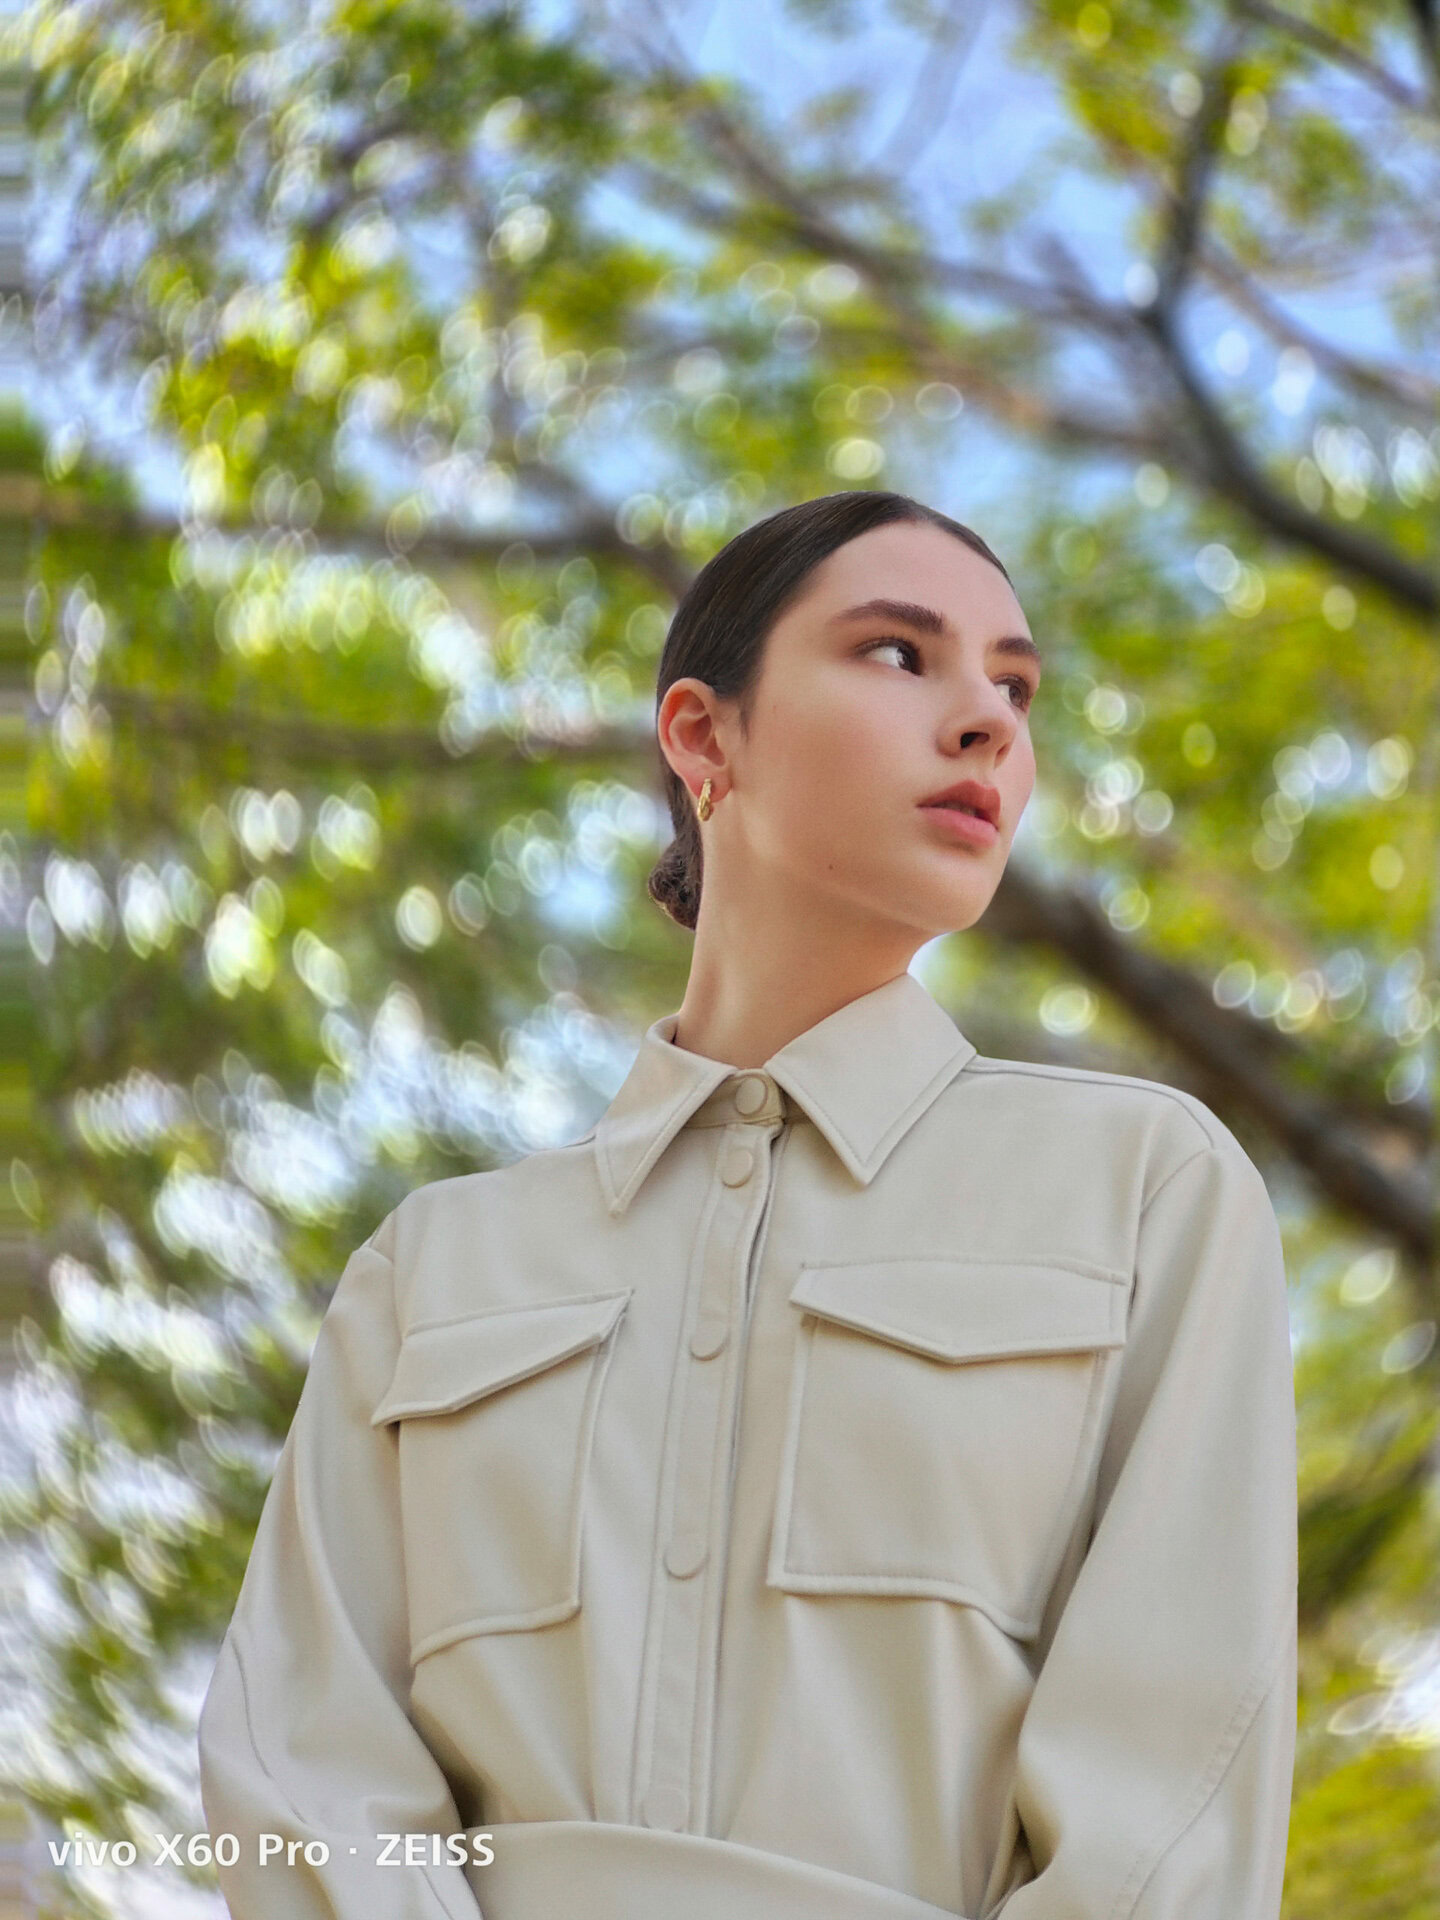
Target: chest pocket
<point>940,1424</point>
<point>496,1419</point>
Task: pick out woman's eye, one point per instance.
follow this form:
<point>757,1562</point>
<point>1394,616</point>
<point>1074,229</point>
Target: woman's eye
<point>1027,692</point>
<point>905,646</point>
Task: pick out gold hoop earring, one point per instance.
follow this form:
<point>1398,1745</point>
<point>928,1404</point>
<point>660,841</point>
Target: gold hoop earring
<point>705,806</point>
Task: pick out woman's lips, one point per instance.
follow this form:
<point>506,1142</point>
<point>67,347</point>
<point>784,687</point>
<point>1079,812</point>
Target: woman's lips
<point>966,827</point>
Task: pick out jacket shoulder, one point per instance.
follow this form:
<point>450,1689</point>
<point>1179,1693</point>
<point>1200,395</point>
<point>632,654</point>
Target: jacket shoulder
<point>460,1200</point>
<point>1174,1123</point>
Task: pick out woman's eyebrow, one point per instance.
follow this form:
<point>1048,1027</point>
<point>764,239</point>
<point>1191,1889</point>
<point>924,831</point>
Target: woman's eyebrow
<point>927,620</point>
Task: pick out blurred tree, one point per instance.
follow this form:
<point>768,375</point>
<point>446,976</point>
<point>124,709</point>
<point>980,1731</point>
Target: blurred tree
<point>413,355</point>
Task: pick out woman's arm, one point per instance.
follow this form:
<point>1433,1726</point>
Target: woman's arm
<point>1156,1753</point>
<point>304,1733</point>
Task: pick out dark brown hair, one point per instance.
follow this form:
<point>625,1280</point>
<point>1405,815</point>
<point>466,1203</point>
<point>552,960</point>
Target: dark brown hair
<point>719,630</point>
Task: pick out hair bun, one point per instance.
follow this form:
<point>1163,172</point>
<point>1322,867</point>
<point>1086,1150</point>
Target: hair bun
<point>669,886</point>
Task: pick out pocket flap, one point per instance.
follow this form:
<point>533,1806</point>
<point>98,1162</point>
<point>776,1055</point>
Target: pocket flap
<point>970,1309</point>
<point>445,1364</point>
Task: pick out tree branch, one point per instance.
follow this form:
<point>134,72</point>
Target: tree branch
<point>1399,92</point>
<point>70,509</point>
<point>1231,1052</point>
<point>895,277</point>
<point>390,749</point>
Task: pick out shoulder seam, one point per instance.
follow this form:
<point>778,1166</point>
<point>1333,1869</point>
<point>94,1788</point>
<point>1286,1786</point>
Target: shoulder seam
<point>1188,1161</point>
<point>987,1063</point>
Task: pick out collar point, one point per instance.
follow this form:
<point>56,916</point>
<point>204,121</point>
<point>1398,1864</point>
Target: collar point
<point>615,1200</point>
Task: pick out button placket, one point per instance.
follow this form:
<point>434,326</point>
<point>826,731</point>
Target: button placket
<point>737,1166</point>
<point>710,1334</point>
<point>706,1415</point>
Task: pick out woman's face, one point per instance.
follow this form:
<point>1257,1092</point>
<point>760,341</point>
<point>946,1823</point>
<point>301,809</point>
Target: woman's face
<point>860,717</point>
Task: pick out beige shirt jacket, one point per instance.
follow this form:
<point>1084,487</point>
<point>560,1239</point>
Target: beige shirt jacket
<point>861,1488</point>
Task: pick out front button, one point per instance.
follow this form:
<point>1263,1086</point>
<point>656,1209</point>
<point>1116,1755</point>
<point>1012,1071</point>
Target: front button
<point>751,1094</point>
<point>708,1338</point>
<point>685,1554</point>
<point>666,1807</point>
<point>738,1167</point>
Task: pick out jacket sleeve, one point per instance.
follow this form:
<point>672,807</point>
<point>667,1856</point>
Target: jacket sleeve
<point>1155,1756</point>
<point>304,1733</point>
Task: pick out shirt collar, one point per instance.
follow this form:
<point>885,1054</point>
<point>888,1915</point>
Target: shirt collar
<point>864,1074</point>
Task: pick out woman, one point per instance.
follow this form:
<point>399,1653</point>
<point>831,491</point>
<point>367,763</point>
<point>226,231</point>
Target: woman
<point>858,1477</point>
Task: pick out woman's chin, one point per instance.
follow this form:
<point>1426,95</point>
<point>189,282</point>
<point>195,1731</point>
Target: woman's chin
<point>951,909</point>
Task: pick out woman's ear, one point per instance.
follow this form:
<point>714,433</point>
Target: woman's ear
<point>686,725</point>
